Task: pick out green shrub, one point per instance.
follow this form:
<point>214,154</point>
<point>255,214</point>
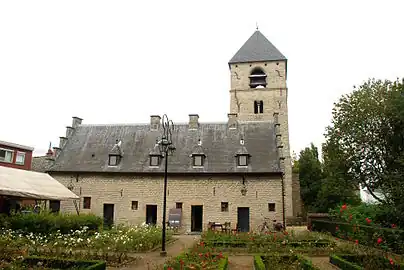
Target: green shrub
<point>46,222</point>
<point>355,262</point>
<point>392,239</point>
<point>56,263</point>
<point>258,263</point>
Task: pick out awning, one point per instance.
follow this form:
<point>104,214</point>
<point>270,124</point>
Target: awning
<point>33,185</point>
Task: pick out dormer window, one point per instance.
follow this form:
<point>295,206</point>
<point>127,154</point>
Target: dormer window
<point>242,160</point>
<point>198,160</point>
<point>154,160</point>
<point>258,78</point>
<point>114,160</point>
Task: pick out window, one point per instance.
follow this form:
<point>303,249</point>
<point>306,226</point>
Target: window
<point>154,160</point>
<point>258,78</point>
<point>271,207</point>
<point>87,203</point>
<point>114,160</point>
<point>178,205</point>
<point>20,159</point>
<point>6,155</point>
<point>225,207</point>
<point>198,160</point>
<point>258,106</point>
<point>135,205</point>
<point>54,206</point>
<point>242,160</point>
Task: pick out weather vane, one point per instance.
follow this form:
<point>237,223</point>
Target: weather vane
<point>256,24</point>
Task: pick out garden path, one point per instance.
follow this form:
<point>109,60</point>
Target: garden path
<point>152,260</point>
<point>323,263</point>
<point>241,262</point>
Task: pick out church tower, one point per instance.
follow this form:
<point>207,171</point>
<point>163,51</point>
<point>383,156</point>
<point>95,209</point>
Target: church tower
<point>259,93</point>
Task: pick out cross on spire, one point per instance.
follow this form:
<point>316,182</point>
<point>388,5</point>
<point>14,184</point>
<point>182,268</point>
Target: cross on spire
<point>256,24</point>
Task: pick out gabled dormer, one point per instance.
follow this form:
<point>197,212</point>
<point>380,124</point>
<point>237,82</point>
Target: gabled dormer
<point>198,156</point>
<point>115,154</point>
<point>242,155</point>
<point>155,156</point>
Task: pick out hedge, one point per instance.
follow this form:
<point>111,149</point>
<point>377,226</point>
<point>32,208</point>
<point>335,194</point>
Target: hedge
<point>46,222</point>
<point>304,262</point>
<point>356,262</point>
<point>57,263</point>
<point>366,235</point>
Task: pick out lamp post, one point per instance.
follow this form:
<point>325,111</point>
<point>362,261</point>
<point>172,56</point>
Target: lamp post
<point>166,148</point>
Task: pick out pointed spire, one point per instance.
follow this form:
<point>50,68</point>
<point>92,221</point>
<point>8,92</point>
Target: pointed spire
<point>257,49</point>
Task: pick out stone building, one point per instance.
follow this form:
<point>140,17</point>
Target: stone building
<point>234,172</point>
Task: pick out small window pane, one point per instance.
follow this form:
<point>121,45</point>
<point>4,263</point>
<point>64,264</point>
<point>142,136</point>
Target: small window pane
<point>135,205</point>
<point>198,161</point>
<point>271,207</point>
<point>178,205</point>
<point>225,206</point>
<point>6,155</point>
<point>87,202</point>
<point>20,159</point>
<point>154,161</point>
<point>242,160</point>
<point>113,160</point>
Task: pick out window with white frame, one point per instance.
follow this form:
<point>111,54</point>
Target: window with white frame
<point>20,158</point>
<point>6,155</point>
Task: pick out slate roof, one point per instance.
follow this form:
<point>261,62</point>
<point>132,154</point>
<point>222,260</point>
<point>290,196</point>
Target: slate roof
<point>41,164</point>
<point>88,148</point>
<point>256,49</point>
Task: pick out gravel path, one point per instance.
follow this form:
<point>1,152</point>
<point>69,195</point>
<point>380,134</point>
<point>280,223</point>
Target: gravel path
<point>323,263</point>
<point>151,260</point>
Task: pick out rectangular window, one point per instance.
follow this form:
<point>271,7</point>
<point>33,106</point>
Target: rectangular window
<point>20,159</point>
<point>154,161</point>
<point>87,203</point>
<point>242,160</point>
<point>261,106</point>
<point>178,205</point>
<point>135,205</point>
<point>271,207</point>
<point>225,207</point>
<point>6,155</point>
<point>198,160</point>
<point>113,160</point>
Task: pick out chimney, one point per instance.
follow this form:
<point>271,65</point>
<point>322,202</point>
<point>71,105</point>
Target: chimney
<point>155,122</point>
<point>193,121</point>
<point>69,131</point>
<point>232,120</point>
<point>57,151</point>
<point>62,142</point>
<point>49,154</point>
<point>76,121</point>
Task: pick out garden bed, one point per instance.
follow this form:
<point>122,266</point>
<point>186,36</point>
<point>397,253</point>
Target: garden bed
<point>56,263</point>
<point>199,257</point>
<point>282,262</point>
<point>356,262</point>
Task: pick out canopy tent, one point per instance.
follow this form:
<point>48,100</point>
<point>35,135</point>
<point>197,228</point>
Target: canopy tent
<point>33,185</point>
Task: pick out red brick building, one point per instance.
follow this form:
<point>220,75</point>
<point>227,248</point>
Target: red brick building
<point>15,155</point>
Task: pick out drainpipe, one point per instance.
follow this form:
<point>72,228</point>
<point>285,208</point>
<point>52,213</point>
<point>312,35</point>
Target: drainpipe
<point>283,200</point>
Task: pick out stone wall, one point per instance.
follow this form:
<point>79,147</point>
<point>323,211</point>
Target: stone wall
<point>121,190</point>
<point>274,97</point>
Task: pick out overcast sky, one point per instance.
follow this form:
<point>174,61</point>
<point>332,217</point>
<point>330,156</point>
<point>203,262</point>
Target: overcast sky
<point>121,61</point>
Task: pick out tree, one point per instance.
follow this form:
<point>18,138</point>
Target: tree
<point>310,175</point>
<point>336,186</point>
<point>366,139</point>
